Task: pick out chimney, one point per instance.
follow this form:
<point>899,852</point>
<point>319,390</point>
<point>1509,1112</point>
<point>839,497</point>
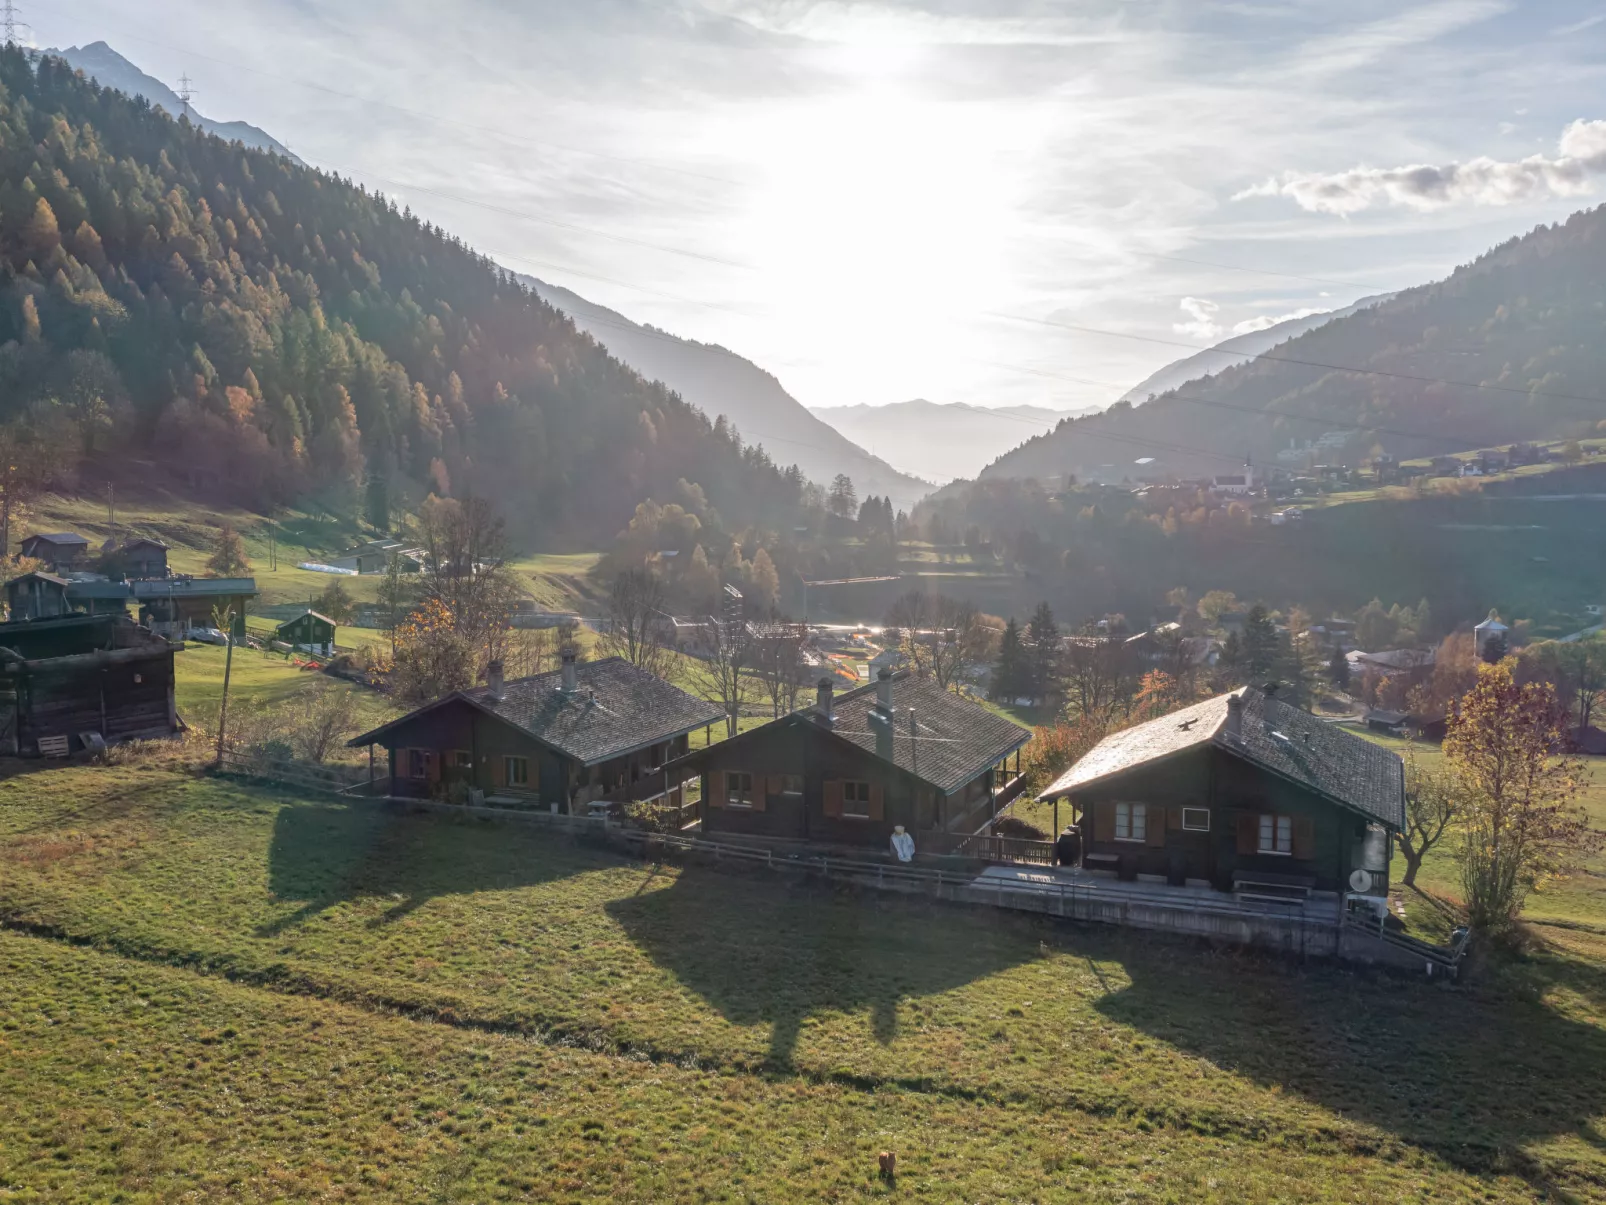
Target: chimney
<point>883,691</point>
<point>493,675</point>
<point>1235,718</point>
<point>570,682</point>
<point>823,701</point>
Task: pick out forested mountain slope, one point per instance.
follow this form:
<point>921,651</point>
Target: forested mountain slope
<point>272,332</point>
<point>720,382</point>
<point>1509,347</point>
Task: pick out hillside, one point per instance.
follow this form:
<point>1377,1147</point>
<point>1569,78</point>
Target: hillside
<point>111,70</point>
<point>1506,348</point>
<point>720,382</point>
<point>276,335</point>
<point>942,441</point>
<point>1237,350</point>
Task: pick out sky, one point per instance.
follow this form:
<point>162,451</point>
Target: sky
<point>985,201</point>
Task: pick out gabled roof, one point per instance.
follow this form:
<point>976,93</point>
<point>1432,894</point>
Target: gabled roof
<point>197,587</point>
<point>42,576</point>
<point>615,709</point>
<point>58,537</point>
<point>1344,768</point>
<point>139,541</point>
<point>303,615</point>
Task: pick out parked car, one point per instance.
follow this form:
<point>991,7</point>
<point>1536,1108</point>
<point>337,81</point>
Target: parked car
<point>208,636</point>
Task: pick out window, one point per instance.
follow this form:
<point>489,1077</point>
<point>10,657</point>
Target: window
<point>738,789</point>
<point>462,759</point>
<point>791,784</point>
<point>856,800</point>
<point>1196,820</point>
<point>1276,834</point>
<point>418,763</point>
<point>516,771</point>
<point>1131,821</point>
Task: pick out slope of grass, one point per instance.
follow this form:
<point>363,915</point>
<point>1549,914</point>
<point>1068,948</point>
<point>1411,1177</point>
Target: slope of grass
<point>259,677</point>
<point>1224,1060</point>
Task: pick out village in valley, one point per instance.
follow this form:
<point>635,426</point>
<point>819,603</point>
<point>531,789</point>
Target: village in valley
<point>459,743</point>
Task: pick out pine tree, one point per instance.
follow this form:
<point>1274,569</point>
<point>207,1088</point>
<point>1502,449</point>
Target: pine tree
<point>1338,669</point>
<point>1012,673</point>
<point>1043,645</point>
<point>1259,644</point>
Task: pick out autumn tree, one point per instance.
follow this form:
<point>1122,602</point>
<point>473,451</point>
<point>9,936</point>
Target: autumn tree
<point>634,621</point>
<point>335,602</point>
<point>433,658</point>
<point>228,553</point>
<point>1521,823</point>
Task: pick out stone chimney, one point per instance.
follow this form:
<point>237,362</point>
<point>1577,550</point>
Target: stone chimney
<point>883,691</point>
<point>824,702</point>
<point>1234,729</point>
<point>493,675</point>
<point>571,683</point>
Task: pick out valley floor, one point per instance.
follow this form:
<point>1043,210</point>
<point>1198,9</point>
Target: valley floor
<point>219,993</point>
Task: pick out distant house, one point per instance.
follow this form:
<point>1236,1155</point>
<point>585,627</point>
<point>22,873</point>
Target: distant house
<point>1391,661</point>
<point>37,596</point>
<point>901,751</point>
<point>595,733</point>
<point>310,632</point>
<point>62,551</point>
<point>1234,484</point>
<point>67,680</point>
<point>144,558</point>
<point>172,606</point>
<point>1446,466</point>
<point>1244,793</point>
<point>373,556</point>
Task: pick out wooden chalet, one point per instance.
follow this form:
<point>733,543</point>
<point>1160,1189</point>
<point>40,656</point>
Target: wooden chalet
<point>172,606</point>
<point>144,558</point>
<point>598,733</point>
<point>309,631</point>
<point>62,551</point>
<point>846,771</point>
<point>1241,792</point>
<point>68,680</point>
<point>37,596</point>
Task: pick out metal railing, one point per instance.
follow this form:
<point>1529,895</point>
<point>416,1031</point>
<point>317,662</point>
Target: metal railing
<point>1008,849</point>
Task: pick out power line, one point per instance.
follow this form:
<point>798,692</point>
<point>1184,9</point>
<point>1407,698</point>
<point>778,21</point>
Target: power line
<point>186,93</point>
<point>10,22</point>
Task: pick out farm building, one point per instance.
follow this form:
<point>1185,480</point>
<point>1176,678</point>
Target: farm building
<point>144,557</point>
<point>595,733</point>
<point>65,681</point>
<point>37,596</point>
<point>61,551</point>
<point>853,767</point>
<point>374,556</point>
<point>1244,793</point>
<point>309,631</point>
<point>172,606</point>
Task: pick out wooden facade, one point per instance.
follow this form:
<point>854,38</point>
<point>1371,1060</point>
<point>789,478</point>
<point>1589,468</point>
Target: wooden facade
<point>144,558</point>
<point>37,596</point>
<point>310,631</point>
<point>63,551</point>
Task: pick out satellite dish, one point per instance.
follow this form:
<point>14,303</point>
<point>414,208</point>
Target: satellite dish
<point>1360,880</point>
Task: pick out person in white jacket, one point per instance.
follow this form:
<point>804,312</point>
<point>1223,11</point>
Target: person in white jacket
<point>903,845</point>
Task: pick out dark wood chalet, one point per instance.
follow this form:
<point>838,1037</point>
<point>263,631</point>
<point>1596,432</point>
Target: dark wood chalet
<point>849,769</point>
<point>66,680</point>
<point>595,733</point>
<point>1242,792</point>
<point>309,631</point>
<point>172,606</point>
<point>144,557</point>
<point>62,551</point>
<point>37,596</point>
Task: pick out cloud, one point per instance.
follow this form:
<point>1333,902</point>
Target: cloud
<point>1203,323</point>
<point>1266,321</point>
<point>1480,181</point>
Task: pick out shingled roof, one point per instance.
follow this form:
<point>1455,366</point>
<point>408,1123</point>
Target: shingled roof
<point>1344,768</point>
<point>615,709</point>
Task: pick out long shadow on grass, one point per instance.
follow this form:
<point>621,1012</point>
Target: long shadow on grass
<point>324,854</point>
<point>760,952</point>
<point>1477,1077</point>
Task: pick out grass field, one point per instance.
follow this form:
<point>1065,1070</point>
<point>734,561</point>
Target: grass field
<point>245,995</point>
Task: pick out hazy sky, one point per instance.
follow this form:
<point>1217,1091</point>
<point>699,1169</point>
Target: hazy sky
<point>878,201</point>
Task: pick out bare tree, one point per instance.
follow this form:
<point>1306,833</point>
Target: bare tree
<point>465,548</point>
<point>721,670</point>
<point>325,722</point>
<point>940,636</point>
<point>1101,673</point>
<point>397,589</point>
<point>1432,802</point>
<point>635,618</point>
<point>778,662</point>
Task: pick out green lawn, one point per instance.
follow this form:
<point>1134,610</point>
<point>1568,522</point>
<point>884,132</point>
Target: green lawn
<point>269,968</point>
<point>263,677</point>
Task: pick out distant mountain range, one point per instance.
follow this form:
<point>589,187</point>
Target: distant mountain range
<point>1507,348</point>
<point>942,440</point>
<point>1237,350</point>
<point>100,62</point>
<point>718,381</point>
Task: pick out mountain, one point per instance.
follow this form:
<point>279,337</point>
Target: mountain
<point>101,63</point>
<point>1506,348</point>
<point>720,382</point>
<point>1237,350</point>
<point>945,440</point>
<point>270,333</point>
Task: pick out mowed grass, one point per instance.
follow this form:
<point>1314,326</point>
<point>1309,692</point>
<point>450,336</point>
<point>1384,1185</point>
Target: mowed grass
<point>1015,1046</point>
<point>259,677</point>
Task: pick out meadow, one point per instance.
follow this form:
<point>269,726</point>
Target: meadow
<point>369,1004</point>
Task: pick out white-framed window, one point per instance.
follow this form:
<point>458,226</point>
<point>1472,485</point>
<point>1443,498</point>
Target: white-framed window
<point>1196,820</point>
<point>791,784</point>
<point>856,800</point>
<point>738,789</point>
<point>1131,822</point>
<point>516,771</point>
<point>1276,834</point>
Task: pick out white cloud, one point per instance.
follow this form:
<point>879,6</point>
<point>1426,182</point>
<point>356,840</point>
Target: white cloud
<point>1480,181</point>
<point>1202,322</point>
<point>1266,321</point>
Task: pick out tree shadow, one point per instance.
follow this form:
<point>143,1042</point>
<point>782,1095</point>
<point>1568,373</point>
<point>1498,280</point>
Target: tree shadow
<point>1476,1075</point>
<point>776,953</point>
<point>327,853</point>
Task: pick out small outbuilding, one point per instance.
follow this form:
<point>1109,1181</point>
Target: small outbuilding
<point>63,551</point>
<point>37,596</point>
<point>310,632</point>
<point>144,558</point>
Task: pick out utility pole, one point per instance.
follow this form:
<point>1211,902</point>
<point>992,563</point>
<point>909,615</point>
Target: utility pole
<point>186,93</point>
<point>9,20</point>
<point>111,508</point>
<point>273,540</point>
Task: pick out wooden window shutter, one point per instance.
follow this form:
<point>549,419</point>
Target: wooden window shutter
<point>1174,819</point>
<point>1304,837</point>
<point>760,796</point>
<point>833,796</point>
<point>772,785</point>
<point>1155,826</point>
<point>1248,832</point>
<point>878,802</point>
<point>720,788</point>
<point>1104,822</point>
